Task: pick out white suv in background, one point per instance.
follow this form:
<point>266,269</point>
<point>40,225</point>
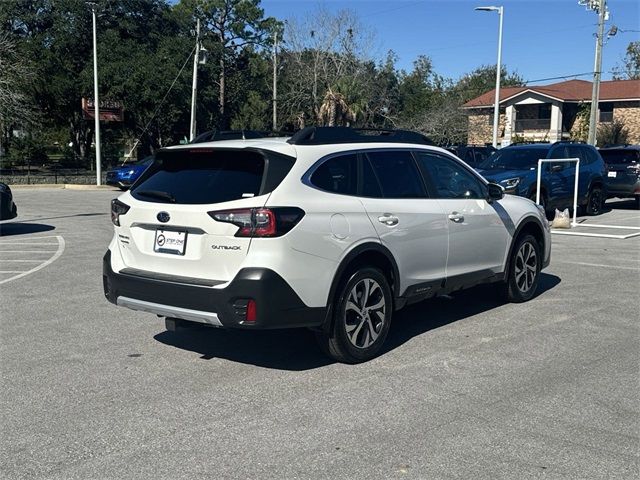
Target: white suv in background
<point>332,229</point>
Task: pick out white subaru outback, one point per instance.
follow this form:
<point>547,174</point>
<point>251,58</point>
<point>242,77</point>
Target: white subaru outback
<point>332,229</point>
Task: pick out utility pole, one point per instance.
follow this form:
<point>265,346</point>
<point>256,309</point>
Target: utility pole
<point>275,81</point>
<point>601,7</point>
<point>194,87</point>
<point>96,101</point>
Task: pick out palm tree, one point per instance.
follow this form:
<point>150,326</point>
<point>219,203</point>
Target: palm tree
<point>335,111</point>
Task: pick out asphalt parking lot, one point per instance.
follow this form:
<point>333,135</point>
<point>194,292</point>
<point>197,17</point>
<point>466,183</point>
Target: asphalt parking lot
<point>469,387</point>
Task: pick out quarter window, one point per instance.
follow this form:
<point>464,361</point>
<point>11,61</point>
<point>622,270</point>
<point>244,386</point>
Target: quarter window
<point>338,175</point>
<point>397,173</point>
<point>450,179</point>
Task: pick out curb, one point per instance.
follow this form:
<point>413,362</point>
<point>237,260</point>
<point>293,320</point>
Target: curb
<point>60,186</point>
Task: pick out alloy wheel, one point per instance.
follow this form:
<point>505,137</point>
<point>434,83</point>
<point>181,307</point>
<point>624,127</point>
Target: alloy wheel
<point>364,314</point>
<point>526,267</point>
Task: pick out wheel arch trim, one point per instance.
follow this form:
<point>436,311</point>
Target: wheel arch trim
<point>348,259</point>
<point>524,223</point>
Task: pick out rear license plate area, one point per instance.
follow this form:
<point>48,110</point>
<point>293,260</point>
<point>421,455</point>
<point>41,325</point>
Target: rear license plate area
<point>170,241</point>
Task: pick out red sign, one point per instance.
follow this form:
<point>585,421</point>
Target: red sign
<point>110,110</point>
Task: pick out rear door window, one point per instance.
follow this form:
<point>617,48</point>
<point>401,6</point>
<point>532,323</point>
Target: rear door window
<point>397,173</point>
<point>620,156</point>
<point>201,176</point>
<point>338,175</point>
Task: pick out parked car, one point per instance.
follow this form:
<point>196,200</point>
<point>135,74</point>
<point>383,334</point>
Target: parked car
<point>124,176</point>
<point>472,155</point>
<point>515,168</point>
<point>8,209</point>
<point>329,229</point>
<point>623,171</point>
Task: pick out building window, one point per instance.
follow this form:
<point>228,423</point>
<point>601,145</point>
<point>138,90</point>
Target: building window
<point>606,112</point>
<point>544,111</point>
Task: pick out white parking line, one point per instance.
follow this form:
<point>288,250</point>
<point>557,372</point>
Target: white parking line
<point>601,265</point>
<point>54,257</point>
<point>11,271</point>
<point>20,261</point>
<point>29,243</point>
<point>28,251</point>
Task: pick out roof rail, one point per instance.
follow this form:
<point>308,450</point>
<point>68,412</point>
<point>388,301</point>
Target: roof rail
<point>328,135</point>
<point>216,135</point>
<point>528,142</point>
<point>569,141</point>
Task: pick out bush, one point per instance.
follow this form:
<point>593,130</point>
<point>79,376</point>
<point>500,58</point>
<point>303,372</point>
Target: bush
<point>614,133</point>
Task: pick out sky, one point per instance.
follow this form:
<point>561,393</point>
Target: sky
<point>541,39</point>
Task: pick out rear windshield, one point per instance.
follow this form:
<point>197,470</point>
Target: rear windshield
<point>201,176</point>
<point>514,159</point>
<point>620,156</point>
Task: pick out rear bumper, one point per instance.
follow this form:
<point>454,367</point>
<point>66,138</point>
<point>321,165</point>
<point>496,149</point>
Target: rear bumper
<point>277,305</point>
<point>623,190</point>
<point>8,209</point>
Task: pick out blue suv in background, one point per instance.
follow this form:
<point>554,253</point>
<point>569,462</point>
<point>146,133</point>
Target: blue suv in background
<point>515,168</point>
<point>124,176</point>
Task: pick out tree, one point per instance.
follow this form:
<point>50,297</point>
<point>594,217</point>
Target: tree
<point>483,79</point>
<point>324,52</point>
<point>16,107</point>
<point>229,27</point>
<point>630,68</point>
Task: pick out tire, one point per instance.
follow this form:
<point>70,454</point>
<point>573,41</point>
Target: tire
<point>362,311</point>
<point>637,202</point>
<point>595,201</point>
<point>521,286</point>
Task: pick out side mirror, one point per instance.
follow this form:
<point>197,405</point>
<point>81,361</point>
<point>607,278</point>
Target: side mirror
<point>495,192</point>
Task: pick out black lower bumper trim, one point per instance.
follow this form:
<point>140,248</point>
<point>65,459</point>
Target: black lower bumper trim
<point>277,305</point>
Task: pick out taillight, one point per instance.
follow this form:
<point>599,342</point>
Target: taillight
<point>260,222</point>
<point>118,208</point>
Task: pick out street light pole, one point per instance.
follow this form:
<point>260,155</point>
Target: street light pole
<point>194,87</point>
<point>275,80</point>
<point>496,104</point>
<point>597,72</point>
<point>96,101</point>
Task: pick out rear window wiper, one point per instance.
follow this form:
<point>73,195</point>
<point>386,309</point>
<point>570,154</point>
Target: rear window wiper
<point>157,194</point>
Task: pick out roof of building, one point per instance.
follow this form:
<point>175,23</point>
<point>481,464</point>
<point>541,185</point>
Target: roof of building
<point>569,91</point>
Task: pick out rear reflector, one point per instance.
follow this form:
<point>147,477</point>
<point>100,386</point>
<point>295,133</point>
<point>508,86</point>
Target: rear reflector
<point>251,311</point>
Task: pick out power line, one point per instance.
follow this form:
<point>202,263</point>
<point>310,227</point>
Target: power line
<point>160,104</point>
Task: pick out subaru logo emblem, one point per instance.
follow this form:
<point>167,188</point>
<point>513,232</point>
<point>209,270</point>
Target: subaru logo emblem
<point>163,217</point>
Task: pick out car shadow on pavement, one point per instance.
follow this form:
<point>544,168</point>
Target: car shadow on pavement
<point>296,350</point>
<point>19,228</point>
<point>421,317</point>
<point>626,204</point>
<point>292,349</point>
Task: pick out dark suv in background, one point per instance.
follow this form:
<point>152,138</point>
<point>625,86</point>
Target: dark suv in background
<point>515,168</point>
<point>623,171</point>
<point>472,155</point>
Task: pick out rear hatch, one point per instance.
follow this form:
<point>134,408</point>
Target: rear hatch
<point>168,229</point>
<point>623,167</point>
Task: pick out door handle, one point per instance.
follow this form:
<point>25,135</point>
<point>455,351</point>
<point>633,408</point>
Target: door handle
<point>388,219</point>
<point>456,217</point>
